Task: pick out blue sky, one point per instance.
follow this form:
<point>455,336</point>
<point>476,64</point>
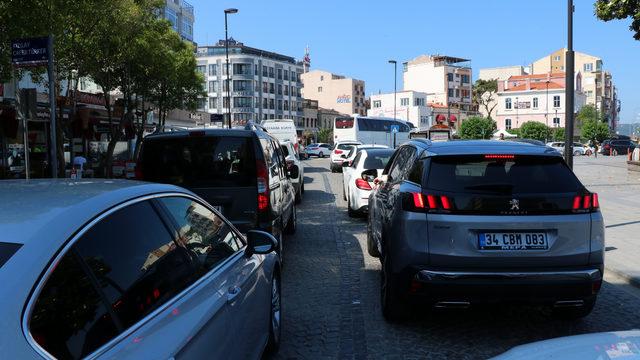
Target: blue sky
<point>356,37</point>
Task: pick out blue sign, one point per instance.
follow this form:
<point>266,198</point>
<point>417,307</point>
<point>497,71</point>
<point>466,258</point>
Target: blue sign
<point>30,52</point>
<point>395,128</point>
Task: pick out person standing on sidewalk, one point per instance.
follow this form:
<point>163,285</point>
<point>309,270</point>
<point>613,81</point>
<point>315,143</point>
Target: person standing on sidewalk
<point>595,149</point>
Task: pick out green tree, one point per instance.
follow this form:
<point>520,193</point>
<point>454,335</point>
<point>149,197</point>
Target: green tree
<point>477,127</point>
<point>484,94</point>
<point>325,135</point>
<point>534,130</point>
<point>594,130</point>
<point>557,134</point>
<point>588,112</point>
<point>608,10</point>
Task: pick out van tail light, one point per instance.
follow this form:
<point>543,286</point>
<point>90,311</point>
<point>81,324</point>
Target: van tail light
<point>362,184</point>
<point>263,186</point>
<point>338,152</point>
<point>418,202</point>
<point>585,203</point>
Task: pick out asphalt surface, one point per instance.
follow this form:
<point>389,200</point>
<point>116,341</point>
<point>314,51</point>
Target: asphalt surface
<point>331,302</point>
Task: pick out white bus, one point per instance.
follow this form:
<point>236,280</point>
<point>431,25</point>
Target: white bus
<point>371,130</point>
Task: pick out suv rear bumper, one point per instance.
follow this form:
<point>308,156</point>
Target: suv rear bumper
<point>517,286</point>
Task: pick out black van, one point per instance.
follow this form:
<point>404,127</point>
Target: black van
<point>241,172</point>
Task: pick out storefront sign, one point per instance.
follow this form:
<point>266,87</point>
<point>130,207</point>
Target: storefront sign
<point>523,105</point>
<point>88,98</point>
<point>344,99</point>
<point>29,52</point>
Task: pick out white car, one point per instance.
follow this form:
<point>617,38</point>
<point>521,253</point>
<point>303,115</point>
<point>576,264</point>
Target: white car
<point>349,156</point>
<point>341,148</point>
<point>578,149</point>
<point>358,177</point>
<point>292,158</point>
<point>320,150</point>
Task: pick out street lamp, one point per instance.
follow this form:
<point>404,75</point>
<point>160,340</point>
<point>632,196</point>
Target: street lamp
<point>395,90</point>
<point>569,88</point>
<point>226,50</point>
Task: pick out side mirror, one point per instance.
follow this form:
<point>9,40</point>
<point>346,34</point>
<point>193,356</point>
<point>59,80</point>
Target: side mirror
<point>293,172</point>
<point>369,175</point>
<point>346,164</point>
<point>260,242</point>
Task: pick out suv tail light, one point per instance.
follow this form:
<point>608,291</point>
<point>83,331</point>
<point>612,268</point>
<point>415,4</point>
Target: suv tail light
<point>263,186</point>
<point>362,184</point>
<point>338,152</point>
<point>586,203</point>
<point>418,202</point>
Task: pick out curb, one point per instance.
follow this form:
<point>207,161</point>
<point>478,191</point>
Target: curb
<point>633,281</point>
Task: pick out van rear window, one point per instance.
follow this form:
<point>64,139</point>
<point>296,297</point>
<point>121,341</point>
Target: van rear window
<point>209,161</point>
<point>6,251</point>
<point>519,174</point>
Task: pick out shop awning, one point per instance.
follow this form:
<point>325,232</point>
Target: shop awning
<point>453,118</point>
<point>441,117</point>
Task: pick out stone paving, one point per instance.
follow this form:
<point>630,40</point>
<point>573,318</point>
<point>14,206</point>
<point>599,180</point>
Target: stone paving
<point>331,307</point>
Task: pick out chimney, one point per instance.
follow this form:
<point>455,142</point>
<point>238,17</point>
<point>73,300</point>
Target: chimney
<point>528,84</point>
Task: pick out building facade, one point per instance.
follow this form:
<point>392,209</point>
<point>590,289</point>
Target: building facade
<point>410,106</point>
<point>263,85</point>
<point>180,14</point>
<point>597,83</point>
<point>538,98</point>
<point>337,92</point>
<point>445,79</point>
<point>309,121</point>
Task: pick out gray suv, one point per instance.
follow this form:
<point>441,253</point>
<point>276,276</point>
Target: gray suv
<point>463,222</point>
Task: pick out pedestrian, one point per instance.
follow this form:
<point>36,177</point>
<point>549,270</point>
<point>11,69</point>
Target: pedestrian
<point>501,136</point>
<point>595,149</point>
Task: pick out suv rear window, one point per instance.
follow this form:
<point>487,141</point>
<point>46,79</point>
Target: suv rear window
<point>522,174</point>
<point>345,146</point>
<point>209,161</point>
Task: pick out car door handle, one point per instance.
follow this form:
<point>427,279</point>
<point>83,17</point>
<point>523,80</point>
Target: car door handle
<point>232,293</point>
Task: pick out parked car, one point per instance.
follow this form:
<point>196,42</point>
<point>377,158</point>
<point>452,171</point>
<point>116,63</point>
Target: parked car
<point>292,158</point>
<point>127,270</point>
<point>597,346</point>
<point>320,150</point>
<point>578,148</point>
<point>341,148</point>
<point>528,141</point>
<point>242,173</point>
<point>463,222</point>
<point>617,147</point>
<point>358,177</point>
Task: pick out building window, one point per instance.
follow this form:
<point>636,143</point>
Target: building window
<point>256,102</point>
<point>255,68</point>
<point>450,93</point>
<point>242,102</point>
<point>264,71</point>
<point>241,85</point>
<point>319,89</point>
<point>202,103</point>
<point>271,72</point>
<point>457,92</point>
<point>286,75</point>
<point>556,58</point>
<point>213,69</point>
<point>225,85</point>
<point>279,72</point>
<point>265,103</point>
<point>202,69</point>
<point>507,124</point>
<point>286,90</point>
<point>556,101</point>
<point>213,103</point>
<point>377,103</point>
<point>271,88</point>
<point>465,79</point>
<point>588,67</point>
<point>285,105</point>
<point>404,102</point>
<point>321,77</point>
<point>535,102</point>
<point>83,84</point>
<point>556,121</point>
<point>418,102</point>
<point>272,104</point>
<point>293,75</point>
<point>241,69</point>
<point>562,68</point>
<point>265,87</point>
<point>170,15</point>
<point>507,103</point>
<point>213,86</point>
<point>449,76</point>
<point>279,89</point>
<point>225,102</point>
<point>279,105</point>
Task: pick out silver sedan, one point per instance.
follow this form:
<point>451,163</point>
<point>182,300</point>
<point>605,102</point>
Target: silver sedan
<point>128,270</point>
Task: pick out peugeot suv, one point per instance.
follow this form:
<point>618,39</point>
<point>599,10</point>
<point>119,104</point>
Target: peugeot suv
<point>464,222</point>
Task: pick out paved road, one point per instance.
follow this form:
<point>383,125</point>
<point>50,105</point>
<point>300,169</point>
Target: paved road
<point>331,298</point>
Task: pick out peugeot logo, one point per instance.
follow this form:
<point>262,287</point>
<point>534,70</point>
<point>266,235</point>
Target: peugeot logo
<point>515,204</point>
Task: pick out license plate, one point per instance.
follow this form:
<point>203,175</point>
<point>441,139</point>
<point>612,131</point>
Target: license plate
<point>513,241</point>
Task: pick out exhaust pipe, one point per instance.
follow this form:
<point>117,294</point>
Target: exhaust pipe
<point>452,305</point>
<point>569,303</point>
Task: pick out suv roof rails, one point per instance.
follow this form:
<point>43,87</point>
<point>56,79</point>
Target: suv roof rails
<point>253,126</point>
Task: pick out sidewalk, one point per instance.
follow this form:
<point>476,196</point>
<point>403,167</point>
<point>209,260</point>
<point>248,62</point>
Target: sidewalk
<point>619,194</point>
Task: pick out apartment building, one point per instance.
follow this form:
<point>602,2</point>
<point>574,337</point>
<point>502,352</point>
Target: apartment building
<point>445,79</point>
<point>410,106</point>
<point>180,14</point>
<point>539,97</point>
<point>263,84</point>
<point>598,83</point>
<point>337,92</point>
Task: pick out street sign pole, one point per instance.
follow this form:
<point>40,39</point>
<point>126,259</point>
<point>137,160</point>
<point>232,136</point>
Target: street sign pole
<point>569,89</point>
<point>52,103</point>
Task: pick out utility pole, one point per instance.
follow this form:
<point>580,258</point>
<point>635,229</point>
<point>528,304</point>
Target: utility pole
<point>569,88</point>
<point>226,50</point>
<point>52,112</point>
